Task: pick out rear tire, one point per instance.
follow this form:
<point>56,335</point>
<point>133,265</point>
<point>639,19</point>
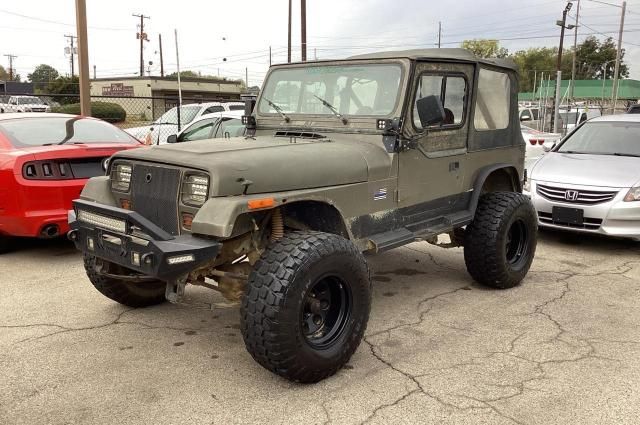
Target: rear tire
<point>6,244</point>
<point>132,294</point>
<point>500,243</point>
<point>307,305</point>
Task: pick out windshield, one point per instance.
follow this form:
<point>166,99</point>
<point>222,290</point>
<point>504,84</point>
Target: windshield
<point>351,89</point>
<point>187,114</point>
<point>55,130</point>
<point>604,138</point>
<point>30,101</point>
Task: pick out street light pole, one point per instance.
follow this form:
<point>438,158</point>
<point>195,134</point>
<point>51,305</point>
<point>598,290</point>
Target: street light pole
<point>614,93</point>
<point>556,109</point>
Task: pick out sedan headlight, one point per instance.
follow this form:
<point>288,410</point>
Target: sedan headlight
<point>121,177</point>
<point>195,190</point>
<point>633,194</point>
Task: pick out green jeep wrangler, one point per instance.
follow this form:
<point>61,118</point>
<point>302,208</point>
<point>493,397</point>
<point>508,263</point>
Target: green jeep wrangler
<point>339,158</point>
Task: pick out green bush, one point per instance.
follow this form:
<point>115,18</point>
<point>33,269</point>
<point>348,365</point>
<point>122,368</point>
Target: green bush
<point>110,112</point>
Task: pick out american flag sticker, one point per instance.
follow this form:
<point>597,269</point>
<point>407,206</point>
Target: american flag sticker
<point>380,194</point>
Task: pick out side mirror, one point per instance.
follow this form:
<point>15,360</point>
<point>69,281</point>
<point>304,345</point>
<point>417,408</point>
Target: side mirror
<point>430,111</point>
<point>172,138</point>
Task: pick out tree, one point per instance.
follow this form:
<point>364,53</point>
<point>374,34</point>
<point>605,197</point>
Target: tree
<point>485,48</point>
<point>4,75</point>
<point>42,75</point>
<point>186,74</point>
<point>65,86</point>
<point>591,56</point>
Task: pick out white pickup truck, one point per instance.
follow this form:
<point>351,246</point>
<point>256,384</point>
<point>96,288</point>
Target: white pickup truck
<point>24,104</point>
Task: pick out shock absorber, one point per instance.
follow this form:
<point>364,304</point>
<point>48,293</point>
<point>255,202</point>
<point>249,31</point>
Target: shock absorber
<point>277,225</point>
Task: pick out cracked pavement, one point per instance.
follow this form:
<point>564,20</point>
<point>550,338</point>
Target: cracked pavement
<point>564,347</point>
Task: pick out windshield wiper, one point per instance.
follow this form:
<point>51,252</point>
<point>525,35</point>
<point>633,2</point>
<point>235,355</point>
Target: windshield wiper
<point>575,152</point>
<point>633,155</point>
<point>332,109</point>
<point>277,109</point>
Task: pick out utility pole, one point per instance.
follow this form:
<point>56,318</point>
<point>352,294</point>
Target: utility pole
<point>269,56</point>
<point>303,28</point>
<point>161,60</point>
<point>439,34</point>
<point>83,57</point>
<point>94,72</point>
<point>289,36</point>
<point>71,51</point>
<point>614,93</point>
<point>142,36</point>
<point>315,54</point>
<point>556,109</point>
<point>11,58</point>
<point>575,50</point>
<point>246,78</point>
<point>175,34</point>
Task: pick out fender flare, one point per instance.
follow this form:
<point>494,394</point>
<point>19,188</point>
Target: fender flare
<point>481,178</point>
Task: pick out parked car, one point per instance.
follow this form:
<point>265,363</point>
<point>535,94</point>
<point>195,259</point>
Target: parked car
<point>24,104</point>
<point>158,132</point>
<point>45,161</point>
<point>363,154</point>
<point>532,117</point>
<point>211,126</point>
<point>537,142</point>
<point>634,109</point>
<point>590,182</point>
<point>570,118</point>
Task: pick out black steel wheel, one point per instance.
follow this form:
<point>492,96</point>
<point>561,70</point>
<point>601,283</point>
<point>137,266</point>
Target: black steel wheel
<point>326,311</point>
<point>307,305</point>
<point>500,243</point>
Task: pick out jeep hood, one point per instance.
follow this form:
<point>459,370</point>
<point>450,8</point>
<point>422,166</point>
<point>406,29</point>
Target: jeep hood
<point>271,164</point>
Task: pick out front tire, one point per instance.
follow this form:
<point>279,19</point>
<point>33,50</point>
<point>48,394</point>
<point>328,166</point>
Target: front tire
<point>307,305</point>
<point>138,294</point>
<point>500,243</point>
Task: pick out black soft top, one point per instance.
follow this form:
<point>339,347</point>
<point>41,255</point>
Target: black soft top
<point>458,55</point>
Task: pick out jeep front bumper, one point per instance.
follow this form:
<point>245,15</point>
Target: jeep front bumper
<point>126,238</point>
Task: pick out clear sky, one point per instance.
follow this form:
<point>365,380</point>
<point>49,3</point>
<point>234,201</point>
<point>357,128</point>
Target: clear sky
<point>242,30</point>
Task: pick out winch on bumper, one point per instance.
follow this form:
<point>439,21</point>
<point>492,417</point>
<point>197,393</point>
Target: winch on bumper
<point>126,238</point>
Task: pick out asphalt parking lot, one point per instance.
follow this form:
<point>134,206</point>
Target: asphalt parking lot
<point>562,348</point>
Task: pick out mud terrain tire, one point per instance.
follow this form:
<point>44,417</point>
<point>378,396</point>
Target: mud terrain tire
<point>500,243</point>
<point>139,294</point>
<point>307,305</point>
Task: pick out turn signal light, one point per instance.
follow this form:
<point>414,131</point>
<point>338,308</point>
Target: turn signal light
<point>255,204</point>
<point>187,220</point>
<point>125,204</point>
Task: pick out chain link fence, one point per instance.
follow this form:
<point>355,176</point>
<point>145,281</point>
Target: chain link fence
<point>150,119</point>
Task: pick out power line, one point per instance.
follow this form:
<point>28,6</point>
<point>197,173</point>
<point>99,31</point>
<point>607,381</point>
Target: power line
<point>49,21</point>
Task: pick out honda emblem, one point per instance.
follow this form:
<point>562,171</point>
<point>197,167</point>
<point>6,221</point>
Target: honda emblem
<point>571,195</point>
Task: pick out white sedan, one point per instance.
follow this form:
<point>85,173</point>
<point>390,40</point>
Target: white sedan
<point>590,182</point>
<point>538,142</point>
<point>157,132</point>
<point>212,126</point>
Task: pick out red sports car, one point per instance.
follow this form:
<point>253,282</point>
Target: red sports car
<point>45,161</point>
